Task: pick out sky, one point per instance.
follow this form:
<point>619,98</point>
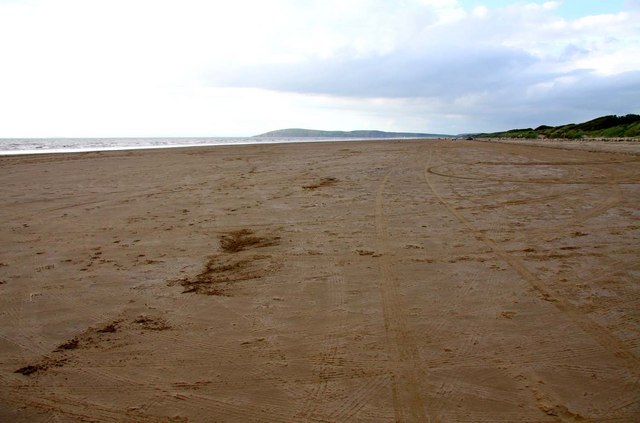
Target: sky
<point>137,68</point>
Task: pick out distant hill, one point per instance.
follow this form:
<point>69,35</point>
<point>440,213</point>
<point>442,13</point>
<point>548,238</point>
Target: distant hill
<point>603,127</point>
<point>299,133</point>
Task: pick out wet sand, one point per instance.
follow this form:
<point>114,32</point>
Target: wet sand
<point>403,281</point>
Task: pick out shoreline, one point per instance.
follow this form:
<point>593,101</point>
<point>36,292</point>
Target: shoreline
<point>631,146</point>
<point>229,141</point>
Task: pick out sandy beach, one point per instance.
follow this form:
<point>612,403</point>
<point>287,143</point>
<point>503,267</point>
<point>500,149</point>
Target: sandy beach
<point>404,281</point>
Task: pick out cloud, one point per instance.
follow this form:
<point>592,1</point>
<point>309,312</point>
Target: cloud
<point>518,63</point>
<point>632,5</point>
<point>400,74</point>
<point>199,67</point>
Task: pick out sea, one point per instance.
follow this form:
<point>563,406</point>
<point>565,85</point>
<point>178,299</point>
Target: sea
<point>14,146</point>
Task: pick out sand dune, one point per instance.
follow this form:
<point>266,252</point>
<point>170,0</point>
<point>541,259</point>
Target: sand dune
<point>373,281</point>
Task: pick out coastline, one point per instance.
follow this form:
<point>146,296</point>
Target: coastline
<point>628,146</point>
<point>326,280</point>
<point>85,145</point>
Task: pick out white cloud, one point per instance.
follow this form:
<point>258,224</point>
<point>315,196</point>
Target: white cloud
<point>480,12</point>
<point>198,67</point>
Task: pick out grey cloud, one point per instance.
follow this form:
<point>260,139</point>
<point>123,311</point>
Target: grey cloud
<point>486,87</point>
<point>440,72</point>
<point>594,94</point>
<point>590,96</point>
<point>572,51</point>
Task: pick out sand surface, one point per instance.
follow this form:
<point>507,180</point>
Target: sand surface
<point>414,281</point>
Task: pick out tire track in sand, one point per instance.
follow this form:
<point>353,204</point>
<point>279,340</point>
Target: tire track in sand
<point>324,368</point>
<point>407,399</point>
<point>604,339</point>
<point>79,408</point>
<point>358,398</point>
<point>600,334</point>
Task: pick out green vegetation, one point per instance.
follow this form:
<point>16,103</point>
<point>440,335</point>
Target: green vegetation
<point>603,127</point>
<point>298,132</point>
